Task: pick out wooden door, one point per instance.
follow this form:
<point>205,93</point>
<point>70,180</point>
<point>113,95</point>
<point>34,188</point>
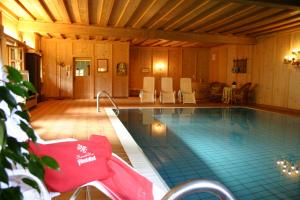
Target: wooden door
<point>82,79</point>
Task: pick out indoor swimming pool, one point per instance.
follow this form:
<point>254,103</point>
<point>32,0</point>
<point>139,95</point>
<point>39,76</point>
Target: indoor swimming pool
<point>256,154</point>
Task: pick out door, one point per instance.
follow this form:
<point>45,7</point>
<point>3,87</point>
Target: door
<point>82,78</point>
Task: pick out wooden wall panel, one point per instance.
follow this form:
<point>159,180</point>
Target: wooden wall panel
<point>120,83</point>
<point>140,59</point>
<point>278,84</point>
<point>218,64</point>
<point>202,68</point>
<point>64,55</point>
<point>175,63</point>
<point>50,86</point>
<point>159,56</point>
<point>181,62</point>
<point>294,78</point>
<point>189,62</point>
<point>103,81</point>
<point>58,82</point>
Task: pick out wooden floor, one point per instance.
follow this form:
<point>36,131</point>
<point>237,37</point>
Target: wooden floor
<point>78,119</point>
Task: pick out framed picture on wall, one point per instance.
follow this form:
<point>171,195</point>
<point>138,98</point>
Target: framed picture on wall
<point>121,69</point>
<point>102,65</point>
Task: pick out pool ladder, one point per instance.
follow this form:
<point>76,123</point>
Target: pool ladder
<point>199,185</point>
<point>99,94</point>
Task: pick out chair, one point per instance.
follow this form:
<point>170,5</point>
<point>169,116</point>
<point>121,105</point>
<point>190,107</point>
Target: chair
<point>148,93</point>
<point>216,91</point>
<point>167,94</point>
<point>186,94</point>
<point>240,95</point>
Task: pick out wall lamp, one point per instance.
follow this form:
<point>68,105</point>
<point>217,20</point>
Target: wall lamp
<point>293,58</point>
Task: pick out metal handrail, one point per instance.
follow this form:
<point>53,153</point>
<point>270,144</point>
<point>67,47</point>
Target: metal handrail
<point>199,186</point>
<point>110,98</point>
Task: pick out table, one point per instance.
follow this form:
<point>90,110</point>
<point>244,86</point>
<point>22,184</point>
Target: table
<point>227,95</point>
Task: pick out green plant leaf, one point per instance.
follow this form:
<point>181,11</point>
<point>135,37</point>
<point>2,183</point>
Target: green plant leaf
<point>17,158</point>
<point>11,193</point>
<point>2,115</point>
<point>3,175</point>
<point>36,168</point>
<point>13,74</point>
<point>50,162</point>
<point>17,89</point>
<point>7,97</point>
<point>4,162</point>
<point>23,114</point>
<point>14,145</point>
<point>29,86</point>
<point>31,183</point>
<point>24,145</point>
<point>2,134</point>
<point>29,131</point>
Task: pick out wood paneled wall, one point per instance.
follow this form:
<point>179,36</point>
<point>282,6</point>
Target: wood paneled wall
<point>178,62</point>
<point>278,84</point>
<point>58,80</point>
<point>221,63</point>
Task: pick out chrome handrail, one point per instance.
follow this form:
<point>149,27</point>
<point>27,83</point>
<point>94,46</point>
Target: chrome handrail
<point>110,98</point>
<point>199,186</point>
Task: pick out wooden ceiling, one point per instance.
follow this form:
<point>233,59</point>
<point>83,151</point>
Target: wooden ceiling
<point>164,23</point>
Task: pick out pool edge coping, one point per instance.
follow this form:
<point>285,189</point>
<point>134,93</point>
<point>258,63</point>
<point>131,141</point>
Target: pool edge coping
<point>135,154</point>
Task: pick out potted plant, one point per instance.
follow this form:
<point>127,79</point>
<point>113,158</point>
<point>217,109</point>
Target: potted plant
<point>13,152</point>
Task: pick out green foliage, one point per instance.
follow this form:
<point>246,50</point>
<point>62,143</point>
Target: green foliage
<point>12,151</point>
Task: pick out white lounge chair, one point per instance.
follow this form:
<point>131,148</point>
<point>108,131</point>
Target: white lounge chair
<point>167,94</point>
<point>186,94</point>
<point>148,93</point>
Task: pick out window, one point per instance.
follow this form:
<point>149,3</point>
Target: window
<point>82,67</point>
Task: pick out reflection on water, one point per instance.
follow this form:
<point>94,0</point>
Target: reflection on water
<point>238,147</point>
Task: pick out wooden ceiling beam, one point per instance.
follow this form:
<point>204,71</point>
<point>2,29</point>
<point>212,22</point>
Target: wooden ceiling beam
<point>65,12</point>
<point>249,19</point>
<point>128,11</point>
<point>84,11</point>
<point>283,4</point>
<point>105,12</point>
<point>136,41</point>
<point>208,14</point>
<point>47,11</point>
<point>148,42</point>
<point>154,7</point>
<point>25,9</point>
<point>160,42</point>
<point>170,11</point>
<point>273,25</point>
<point>272,19</point>
<point>188,15</point>
<point>278,29</point>
<point>170,43</point>
<point>8,11</point>
<point>40,27</point>
<point>229,18</point>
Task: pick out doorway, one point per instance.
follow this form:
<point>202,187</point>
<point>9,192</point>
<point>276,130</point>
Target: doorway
<point>82,78</point>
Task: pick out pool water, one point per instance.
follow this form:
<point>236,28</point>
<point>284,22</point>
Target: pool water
<point>238,147</point>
